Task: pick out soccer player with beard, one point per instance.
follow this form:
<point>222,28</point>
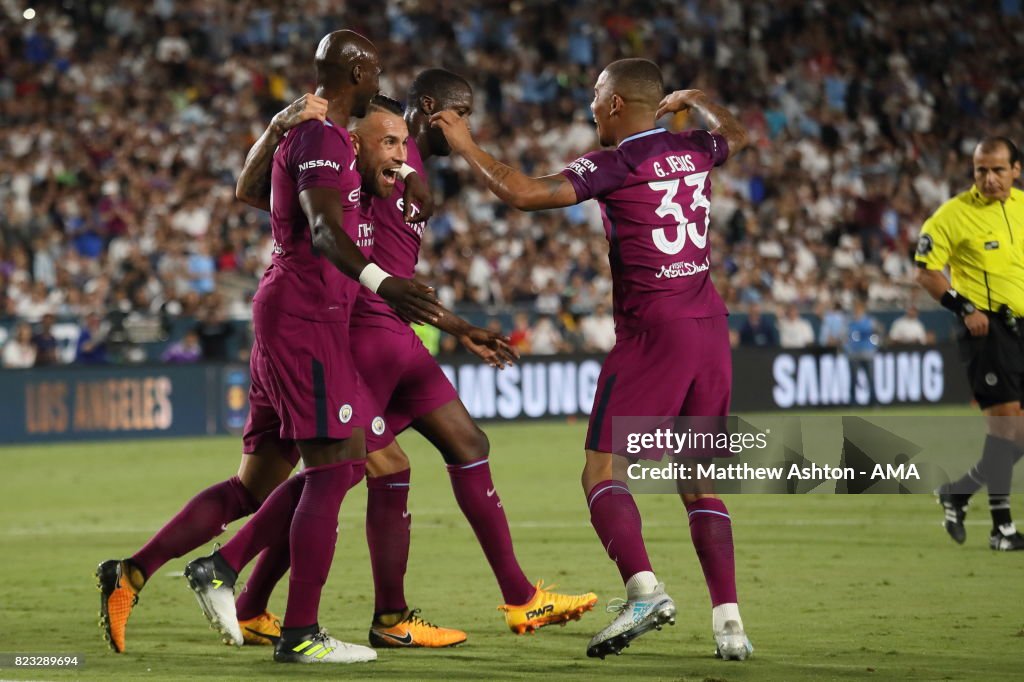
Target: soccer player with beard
<point>409,384</point>
<point>671,355</point>
<point>306,399</point>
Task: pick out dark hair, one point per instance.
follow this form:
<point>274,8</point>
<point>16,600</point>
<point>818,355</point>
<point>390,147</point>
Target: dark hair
<point>637,80</point>
<point>440,84</point>
<point>385,103</point>
<point>990,143</point>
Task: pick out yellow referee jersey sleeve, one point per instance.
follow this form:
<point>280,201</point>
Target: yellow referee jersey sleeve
<point>982,242</point>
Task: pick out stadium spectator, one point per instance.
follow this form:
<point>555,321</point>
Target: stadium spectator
<point>794,330</point>
<point>862,341</point>
<point>598,330</point>
<point>33,306</point>
<point>908,328</point>
<point>45,343</point>
<point>92,341</point>
<point>757,330</point>
<point>520,337</point>
<point>185,351</point>
<point>545,339</point>
<point>213,332</point>
<point>136,211</point>
<point>19,351</point>
<point>833,330</point>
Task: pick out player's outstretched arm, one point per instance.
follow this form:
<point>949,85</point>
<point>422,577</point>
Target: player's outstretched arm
<point>323,209</point>
<point>491,347</point>
<point>722,120</point>
<point>508,184</point>
<point>253,186</point>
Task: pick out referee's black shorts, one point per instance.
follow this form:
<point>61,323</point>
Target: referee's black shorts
<point>995,363</point>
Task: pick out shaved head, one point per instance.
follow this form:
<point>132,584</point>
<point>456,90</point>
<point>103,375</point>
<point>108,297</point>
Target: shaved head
<point>637,81</point>
<point>442,85</point>
<point>627,93</point>
<point>347,61</point>
<point>435,90</point>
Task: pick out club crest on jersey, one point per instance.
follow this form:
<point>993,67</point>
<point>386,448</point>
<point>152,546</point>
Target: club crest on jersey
<point>319,163</point>
<point>345,413</point>
<point>377,426</point>
<point>925,244</point>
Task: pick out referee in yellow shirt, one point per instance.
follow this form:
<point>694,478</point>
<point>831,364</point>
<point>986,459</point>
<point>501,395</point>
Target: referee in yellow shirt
<point>979,234</point>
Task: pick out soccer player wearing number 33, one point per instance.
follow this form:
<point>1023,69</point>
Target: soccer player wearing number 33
<point>654,190</point>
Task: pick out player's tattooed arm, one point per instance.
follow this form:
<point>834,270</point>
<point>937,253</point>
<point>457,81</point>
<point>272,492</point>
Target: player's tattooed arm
<point>322,205</point>
<point>508,184</point>
<point>718,117</point>
<point>253,186</point>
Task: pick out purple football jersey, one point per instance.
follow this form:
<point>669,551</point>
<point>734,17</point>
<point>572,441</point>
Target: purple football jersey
<point>299,280</point>
<point>396,249</point>
<point>655,195</point>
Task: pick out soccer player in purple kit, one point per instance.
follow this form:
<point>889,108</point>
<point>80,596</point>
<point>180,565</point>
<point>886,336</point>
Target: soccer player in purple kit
<point>305,393</point>
<point>672,347</point>
<point>409,384</point>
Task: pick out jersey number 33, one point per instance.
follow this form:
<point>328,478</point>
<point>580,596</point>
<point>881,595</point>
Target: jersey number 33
<point>669,207</point>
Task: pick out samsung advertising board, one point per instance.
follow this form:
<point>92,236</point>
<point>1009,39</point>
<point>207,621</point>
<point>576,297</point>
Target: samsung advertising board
<point>763,380</point>
<point>96,403</point>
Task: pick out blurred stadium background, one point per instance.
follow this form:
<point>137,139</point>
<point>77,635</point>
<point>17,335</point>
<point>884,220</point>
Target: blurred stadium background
<point>124,125</point>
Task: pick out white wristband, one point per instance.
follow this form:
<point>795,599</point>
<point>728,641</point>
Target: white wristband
<point>372,276</point>
<point>405,170</point>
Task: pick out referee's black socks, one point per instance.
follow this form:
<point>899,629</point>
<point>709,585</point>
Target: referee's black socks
<point>994,469</point>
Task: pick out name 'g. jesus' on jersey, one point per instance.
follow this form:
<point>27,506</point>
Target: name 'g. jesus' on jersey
<point>655,194</point>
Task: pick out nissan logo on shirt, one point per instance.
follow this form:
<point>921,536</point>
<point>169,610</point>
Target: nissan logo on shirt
<point>320,163</point>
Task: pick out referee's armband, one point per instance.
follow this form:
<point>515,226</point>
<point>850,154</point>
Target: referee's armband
<point>954,302</point>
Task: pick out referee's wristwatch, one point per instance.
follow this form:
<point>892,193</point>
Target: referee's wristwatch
<point>967,308</point>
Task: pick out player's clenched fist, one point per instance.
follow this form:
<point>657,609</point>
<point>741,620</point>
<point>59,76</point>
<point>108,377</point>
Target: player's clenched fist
<point>680,100</point>
<point>414,301</point>
<point>418,199</point>
<point>304,108</point>
<point>455,129</point>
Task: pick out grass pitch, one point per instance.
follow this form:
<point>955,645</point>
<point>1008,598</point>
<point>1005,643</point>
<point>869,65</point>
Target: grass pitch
<point>832,588</point>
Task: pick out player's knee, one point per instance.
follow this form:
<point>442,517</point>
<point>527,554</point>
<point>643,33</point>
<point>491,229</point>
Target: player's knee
<point>597,468</point>
<point>470,446</point>
<point>691,497</point>
<point>481,443</point>
<point>387,461</point>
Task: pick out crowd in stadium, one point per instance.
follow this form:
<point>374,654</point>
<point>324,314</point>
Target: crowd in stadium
<point>125,125</point>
